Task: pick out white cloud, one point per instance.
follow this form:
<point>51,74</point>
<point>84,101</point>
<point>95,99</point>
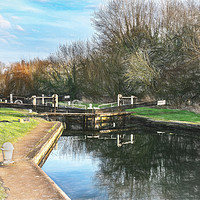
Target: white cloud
<point>6,37</point>
<point>4,34</point>
<point>4,23</point>
<point>19,28</point>
<point>15,17</point>
<point>2,40</point>
<point>35,30</point>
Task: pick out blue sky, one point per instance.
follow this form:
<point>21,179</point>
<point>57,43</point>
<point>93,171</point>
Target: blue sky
<point>35,28</point>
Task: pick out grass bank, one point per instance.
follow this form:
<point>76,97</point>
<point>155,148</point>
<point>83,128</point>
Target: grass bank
<point>11,129</point>
<point>167,114</point>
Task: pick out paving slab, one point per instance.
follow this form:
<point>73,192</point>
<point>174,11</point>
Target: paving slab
<point>24,179</point>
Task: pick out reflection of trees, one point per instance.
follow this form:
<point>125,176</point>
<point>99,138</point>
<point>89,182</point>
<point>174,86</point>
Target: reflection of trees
<point>165,166</point>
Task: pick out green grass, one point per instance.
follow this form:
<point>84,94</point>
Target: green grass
<point>166,114</point>
<point>12,130</point>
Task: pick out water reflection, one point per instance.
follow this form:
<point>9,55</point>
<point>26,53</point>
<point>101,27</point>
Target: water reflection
<point>149,164</point>
<point>122,139</point>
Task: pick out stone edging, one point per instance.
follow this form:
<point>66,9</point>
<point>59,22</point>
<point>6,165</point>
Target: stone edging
<point>43,151</point>
<point>45,148</point>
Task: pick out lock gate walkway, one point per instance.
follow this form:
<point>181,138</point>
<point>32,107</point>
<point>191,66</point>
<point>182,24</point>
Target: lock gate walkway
<point>91,121</point>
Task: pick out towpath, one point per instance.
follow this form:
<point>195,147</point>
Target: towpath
<point>24,180</point>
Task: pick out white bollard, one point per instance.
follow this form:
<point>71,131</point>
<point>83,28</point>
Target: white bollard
<point>7,150</point>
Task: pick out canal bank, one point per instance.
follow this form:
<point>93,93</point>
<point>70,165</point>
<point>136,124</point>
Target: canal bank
<point>172,124</point>
<point>24,179</point>
<point>163,117</point>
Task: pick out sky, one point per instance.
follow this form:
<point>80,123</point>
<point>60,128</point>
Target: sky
<point>36,28</point>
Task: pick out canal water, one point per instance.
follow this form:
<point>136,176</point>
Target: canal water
<point>144,163</point>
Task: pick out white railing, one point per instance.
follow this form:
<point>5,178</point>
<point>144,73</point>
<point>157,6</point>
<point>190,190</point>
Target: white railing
<point>76,106</point>
<point>107,105</point>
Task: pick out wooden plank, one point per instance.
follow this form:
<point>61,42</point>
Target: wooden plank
<point>67,114</point>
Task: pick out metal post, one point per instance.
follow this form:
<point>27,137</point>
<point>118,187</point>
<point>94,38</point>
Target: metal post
<point>11,98</point>
<point>132,97</point>
<point>118,141</point>
<point>55,101</point>
<point>133,100</point>
<point>119,97</point>
<point>34,102</point>
<point>132,139</point>
<point>42,99</point>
